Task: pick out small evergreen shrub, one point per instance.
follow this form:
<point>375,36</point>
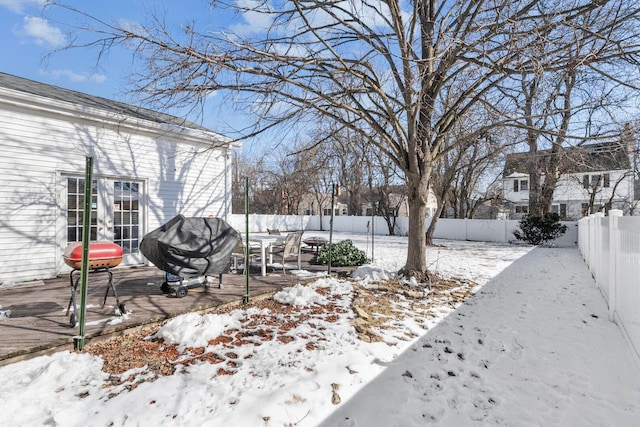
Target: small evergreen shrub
<point>537,230</point>
<point>343,254</point>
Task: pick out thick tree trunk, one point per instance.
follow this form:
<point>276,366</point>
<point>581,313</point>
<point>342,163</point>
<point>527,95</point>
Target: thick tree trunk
<point>546,195</point>
<point>534,182</point>
<point>416,264</point>
<point>432,225</point>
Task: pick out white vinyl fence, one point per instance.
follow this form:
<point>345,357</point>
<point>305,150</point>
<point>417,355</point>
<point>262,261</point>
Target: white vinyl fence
<point>611,248</point>
<point>478,230</point>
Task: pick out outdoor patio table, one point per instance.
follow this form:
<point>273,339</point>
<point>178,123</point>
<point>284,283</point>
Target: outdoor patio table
<point>315,241</point>
<point>265,241</point>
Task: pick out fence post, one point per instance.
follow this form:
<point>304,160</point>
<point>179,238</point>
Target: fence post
<point>614,214</point>
<point>597,246</point>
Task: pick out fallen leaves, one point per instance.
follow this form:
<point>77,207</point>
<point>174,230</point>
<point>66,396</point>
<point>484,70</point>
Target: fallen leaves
<point>377,307</point>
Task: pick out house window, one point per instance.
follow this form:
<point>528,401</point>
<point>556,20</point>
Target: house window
<point>585,209</point>
<point>595,181</point>
<point>523,209</point>
<point>560,209</point>
<point>75,207</point>
<point>520,185</point>
<point>607,180</point>
<point>126,218</point>
<point>585,181</point>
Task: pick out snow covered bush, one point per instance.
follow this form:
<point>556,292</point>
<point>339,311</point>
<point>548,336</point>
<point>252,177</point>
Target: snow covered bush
<point>343,254</point>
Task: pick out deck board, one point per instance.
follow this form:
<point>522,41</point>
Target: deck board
<point>38,323</point>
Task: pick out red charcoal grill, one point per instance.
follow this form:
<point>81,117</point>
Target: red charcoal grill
<point>103,256</point>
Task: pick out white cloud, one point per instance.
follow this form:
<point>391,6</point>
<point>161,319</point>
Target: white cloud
<point>256,20</point>
<point>19,5</point>
<point>75,77</point>
<point>42,32</point>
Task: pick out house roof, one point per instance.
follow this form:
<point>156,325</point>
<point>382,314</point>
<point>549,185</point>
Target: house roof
<point>582,159</point>
<point>56,93</point>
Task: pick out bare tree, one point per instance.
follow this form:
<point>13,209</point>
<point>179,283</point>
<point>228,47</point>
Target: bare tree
<point>458,173</point>
<point>606,172</point>
<point>387,192</point>
<point>468,191</point>
<point>375,67</point>
<point>262,194</point>
<point>578,102</point>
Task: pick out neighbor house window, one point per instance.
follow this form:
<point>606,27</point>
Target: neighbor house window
<point>595,181</point>
<point>520,185</point>
<point>560,209</point>
<point>607,180</point>
<point>585,181</point>
<point>522,209</point>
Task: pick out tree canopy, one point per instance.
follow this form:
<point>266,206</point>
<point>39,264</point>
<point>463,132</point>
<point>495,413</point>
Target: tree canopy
<point>401,75</point>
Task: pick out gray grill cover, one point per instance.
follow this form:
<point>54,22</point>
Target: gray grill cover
<point>191,246</point>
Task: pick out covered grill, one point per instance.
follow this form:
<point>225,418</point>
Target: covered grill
<point>188,249</point>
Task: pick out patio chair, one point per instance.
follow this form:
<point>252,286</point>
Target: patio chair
<point>290,248</point>
<point>238,255</point>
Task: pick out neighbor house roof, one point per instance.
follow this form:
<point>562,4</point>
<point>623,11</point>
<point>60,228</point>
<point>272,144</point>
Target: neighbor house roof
<point>582,159</point>
<point>56,93</point>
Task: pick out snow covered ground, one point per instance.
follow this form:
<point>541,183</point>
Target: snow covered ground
<point>532,347</point>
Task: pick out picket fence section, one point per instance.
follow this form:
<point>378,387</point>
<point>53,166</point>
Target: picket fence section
<point>477,230</point>
<point>610,245</point>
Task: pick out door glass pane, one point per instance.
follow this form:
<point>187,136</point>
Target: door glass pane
<point>75,207</point>
<point>126,215</point>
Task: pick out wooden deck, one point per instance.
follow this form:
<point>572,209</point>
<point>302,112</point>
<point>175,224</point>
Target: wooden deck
<point>39,325</point>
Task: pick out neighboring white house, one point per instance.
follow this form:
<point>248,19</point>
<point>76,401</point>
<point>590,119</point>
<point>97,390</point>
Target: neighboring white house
<point>595,177</point>
<point>148,167</point>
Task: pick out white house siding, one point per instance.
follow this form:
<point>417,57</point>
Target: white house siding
<point>570,191</point>
<point>43,143</point>
<point>570,188</point>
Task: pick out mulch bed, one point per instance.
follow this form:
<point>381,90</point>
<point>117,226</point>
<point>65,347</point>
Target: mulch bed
<point>376,306</point>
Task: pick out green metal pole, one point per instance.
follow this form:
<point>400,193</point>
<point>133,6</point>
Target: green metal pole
<point>84,263</point>
<point>333,192</point>
<point>245,300</point>
<point>373,231</point>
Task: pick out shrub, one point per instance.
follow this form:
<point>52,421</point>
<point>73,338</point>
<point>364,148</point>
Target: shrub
<point>538,230</point>
<point>343,254</point>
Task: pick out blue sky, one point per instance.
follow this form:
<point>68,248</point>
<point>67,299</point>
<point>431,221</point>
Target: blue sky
<point>30,36</point>
<point>30,32</point>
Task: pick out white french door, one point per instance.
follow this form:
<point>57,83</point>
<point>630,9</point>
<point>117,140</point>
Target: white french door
<point>116,213</point>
